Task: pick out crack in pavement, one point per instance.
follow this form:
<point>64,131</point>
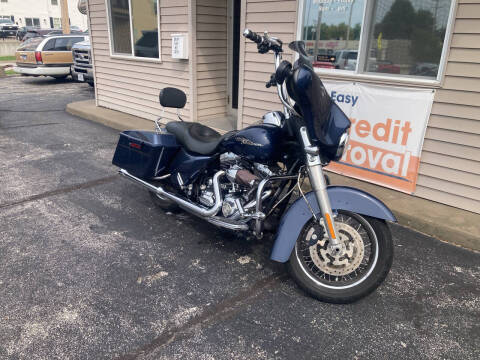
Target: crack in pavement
<point>65,190</point>
<point>29,125</point>
<point>32,111</point>
<point>211,314</point>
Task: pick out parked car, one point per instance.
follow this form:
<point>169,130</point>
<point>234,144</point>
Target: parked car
<point>82,69</point>
<point>323,64</point>
<point>60,32</point>
<point>383,66</point>
<point>425,69</point>
<point>7,28</point>
<point>22,31</point>
<point>34,32</point>
<point>346,59</point>
<point>47,56</point>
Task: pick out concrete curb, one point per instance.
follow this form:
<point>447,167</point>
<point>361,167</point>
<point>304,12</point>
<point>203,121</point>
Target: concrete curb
<point>111,118</point>
<point>444,222</point>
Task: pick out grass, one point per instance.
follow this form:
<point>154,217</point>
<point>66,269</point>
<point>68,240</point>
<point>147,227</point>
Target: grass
<point>10,72</point>
<point>7,58</point>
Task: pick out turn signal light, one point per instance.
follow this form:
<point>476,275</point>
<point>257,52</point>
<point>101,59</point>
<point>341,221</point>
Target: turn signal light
<point>38,57</point>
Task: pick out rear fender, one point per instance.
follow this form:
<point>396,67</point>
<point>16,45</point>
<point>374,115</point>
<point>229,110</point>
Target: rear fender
<point>341,198</point>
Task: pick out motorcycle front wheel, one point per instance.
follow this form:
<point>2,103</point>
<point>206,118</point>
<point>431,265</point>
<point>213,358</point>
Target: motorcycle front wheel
<point>361,266</point>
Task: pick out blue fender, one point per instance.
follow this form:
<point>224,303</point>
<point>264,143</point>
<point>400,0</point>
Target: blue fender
<point>341,198</point>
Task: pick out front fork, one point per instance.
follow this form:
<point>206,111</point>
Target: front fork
<point>319,187</point>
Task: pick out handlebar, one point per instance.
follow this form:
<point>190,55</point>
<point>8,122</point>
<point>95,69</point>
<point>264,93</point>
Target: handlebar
<point>251,35</point>
<point>264,43</point>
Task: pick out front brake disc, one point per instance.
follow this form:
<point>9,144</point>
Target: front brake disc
<point>337,264</point>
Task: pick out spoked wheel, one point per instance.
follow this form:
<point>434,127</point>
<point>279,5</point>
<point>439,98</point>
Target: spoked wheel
<point>347,275</point>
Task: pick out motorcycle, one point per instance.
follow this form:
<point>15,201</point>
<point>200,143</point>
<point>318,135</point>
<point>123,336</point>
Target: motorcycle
<point>335,240</point>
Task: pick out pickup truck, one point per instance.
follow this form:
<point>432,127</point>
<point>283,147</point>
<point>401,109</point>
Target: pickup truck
<point>7,28</point>
<point>82,69</point>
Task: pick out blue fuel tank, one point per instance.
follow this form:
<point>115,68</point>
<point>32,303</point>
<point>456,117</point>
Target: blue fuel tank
<point>258,143</point>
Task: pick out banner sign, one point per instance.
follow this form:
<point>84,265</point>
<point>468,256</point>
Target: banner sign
<point>386,137</point>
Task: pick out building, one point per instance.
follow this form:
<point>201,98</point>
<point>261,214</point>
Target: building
<point>424,53</point>
<point>44,14</point>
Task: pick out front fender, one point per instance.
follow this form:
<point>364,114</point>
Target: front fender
<point>341,198</point>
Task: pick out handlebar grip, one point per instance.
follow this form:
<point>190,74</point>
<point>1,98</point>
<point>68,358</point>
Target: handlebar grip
<point>249,34</point>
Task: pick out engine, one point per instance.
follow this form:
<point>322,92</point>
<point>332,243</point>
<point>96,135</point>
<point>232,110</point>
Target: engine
<point>239,186</point>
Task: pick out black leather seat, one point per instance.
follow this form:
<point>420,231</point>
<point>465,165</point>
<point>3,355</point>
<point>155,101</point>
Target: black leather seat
<point>195,137</point>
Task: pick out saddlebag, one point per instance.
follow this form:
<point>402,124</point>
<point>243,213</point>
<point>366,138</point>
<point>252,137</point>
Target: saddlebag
<point>145,154</point>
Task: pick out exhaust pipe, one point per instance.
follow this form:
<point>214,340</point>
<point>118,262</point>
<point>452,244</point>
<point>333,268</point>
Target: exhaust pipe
<point>183,203</point>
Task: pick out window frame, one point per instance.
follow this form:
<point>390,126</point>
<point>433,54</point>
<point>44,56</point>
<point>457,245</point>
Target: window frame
<point>394,79</point>
<point>132,56</point>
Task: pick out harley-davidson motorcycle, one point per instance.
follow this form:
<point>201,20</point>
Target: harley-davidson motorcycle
<point>335,240</point>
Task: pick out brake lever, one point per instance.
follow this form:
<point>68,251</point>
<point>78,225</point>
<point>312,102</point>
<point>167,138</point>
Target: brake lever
<point>271,82</point>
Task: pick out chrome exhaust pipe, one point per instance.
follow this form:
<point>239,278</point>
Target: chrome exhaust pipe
<point>183,203</point>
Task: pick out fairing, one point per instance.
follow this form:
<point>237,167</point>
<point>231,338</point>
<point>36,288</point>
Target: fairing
<point>325,121</point>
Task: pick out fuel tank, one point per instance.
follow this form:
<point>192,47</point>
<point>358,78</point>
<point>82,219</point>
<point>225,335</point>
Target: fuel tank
<point>258,143</point>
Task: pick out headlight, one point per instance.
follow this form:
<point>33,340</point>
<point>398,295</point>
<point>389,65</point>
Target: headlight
<point>342,145</point>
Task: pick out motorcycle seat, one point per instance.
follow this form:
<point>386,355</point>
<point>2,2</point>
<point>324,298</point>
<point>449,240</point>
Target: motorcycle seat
<point>195,137</point>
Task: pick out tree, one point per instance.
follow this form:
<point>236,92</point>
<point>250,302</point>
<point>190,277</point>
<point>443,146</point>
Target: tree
<point>397,22</point>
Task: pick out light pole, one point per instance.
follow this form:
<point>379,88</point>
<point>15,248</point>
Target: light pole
<point>349,23</point>
<point>65,17</point>
<point>317,32</point>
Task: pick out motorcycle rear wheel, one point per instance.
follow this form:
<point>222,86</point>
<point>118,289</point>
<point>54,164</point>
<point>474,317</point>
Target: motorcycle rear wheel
<point>363,266</point>
<point>164,204</point>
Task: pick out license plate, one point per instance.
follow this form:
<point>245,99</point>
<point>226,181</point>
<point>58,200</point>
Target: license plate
<point>24,57</point>
<point>80,77</point>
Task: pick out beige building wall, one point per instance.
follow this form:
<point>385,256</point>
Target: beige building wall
<point>450,163</point>
<point>211,58</point>
<point>132,86</point>
<point>279,18</point>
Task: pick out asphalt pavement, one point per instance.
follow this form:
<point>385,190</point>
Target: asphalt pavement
<point>89,269</point>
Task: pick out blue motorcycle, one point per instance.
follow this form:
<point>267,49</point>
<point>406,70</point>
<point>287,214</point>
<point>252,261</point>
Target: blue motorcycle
<point>335,240</point>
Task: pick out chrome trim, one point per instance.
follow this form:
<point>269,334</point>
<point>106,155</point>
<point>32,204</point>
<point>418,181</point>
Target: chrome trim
<point>259,215</point>
<point>319,185</point>
<point>342,145</point>
<point>273,118</point>
<point>183,203</point>
<point>288,108</point>
<point>230,224</point>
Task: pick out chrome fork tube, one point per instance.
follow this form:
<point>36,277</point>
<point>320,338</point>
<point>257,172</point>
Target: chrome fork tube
<point>319,187</point>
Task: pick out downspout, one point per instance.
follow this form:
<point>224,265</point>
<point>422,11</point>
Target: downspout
<point>192,57</point>
<point>84,8</point>
<point>241,65</point>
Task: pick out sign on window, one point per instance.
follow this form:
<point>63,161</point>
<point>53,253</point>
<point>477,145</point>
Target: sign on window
<point>386,137</point>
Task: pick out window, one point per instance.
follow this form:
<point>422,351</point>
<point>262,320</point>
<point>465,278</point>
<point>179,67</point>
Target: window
<point>396,38</point>
<point>50,45</point>
<point>54,2</point>
<point>35,22</point>
<point>134,28</point>
<point>57,23</point>
<point>30,44</point>
<point>66,43</point>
